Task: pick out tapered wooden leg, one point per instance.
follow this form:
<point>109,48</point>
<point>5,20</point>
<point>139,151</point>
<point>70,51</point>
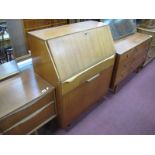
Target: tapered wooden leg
<point>115,89</point>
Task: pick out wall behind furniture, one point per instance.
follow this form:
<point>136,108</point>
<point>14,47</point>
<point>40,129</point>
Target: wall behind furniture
<point>17,35</point>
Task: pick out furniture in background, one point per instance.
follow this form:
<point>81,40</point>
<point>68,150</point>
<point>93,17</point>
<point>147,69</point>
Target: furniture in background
<point>121,27</point>
<point>78,60</point>
<point>36,24</point>
<point>131,53</point>
<point>6,50</point>
<point>131,49</point>
<point>27,102</point>
<point>149,31</point>
<point>17,35</point>
<point>147,23</point>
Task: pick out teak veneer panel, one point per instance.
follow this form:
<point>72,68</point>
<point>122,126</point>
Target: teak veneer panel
<point>76,52</point>
<point>42,61</point>
<point>77,101</point>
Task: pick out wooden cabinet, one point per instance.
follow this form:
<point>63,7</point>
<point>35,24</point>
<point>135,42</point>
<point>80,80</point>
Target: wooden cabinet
<point>27,102</point>
<point>149,31</point>
<point>131,53</point>
<point>77,59</point>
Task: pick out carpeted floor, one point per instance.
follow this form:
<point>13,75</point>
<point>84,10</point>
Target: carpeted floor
<point>130,111</point>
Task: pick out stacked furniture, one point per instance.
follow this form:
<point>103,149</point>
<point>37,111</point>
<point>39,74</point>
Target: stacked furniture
<point>27,102</point>
<point>149,31</point>
<point>78,60</point>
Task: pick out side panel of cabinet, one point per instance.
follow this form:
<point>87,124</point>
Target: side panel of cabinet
<point>42,61</point>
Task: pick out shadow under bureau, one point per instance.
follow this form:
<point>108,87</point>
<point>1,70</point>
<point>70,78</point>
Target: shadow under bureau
<point>27,102</point>
<point>78,60</point>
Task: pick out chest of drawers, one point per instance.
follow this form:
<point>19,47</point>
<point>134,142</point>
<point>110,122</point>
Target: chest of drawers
<point>27,102</point>
<point>78,60</point>
<point>151,52</point>
<point>131,53</point>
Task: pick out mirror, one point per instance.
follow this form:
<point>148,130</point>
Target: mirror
<point>8,65</point>
<point>121,27</point>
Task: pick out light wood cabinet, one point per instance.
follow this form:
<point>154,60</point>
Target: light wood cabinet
<point>131,53</point>
<point>78,60</point>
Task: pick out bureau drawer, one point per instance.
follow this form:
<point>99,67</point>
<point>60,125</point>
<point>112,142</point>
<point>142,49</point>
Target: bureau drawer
<point>23,112</point>
<point>33,121</point>
<point>85,95</point>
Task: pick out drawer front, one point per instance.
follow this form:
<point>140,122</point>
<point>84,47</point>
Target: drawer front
<point>144,46</point>
<point>82,77</point>
<point>24,112</point>
<point>126,57</point>
<point>30,123</point>
<point>79,99</point>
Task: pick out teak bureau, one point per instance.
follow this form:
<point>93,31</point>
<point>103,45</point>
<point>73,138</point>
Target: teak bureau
<point>78,60</point>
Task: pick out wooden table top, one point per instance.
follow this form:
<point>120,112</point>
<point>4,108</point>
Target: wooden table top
<point>8,69</point>
<point>20,90</point>
<point>147,29</point>
<point>125,44</point>
<point>54,32</point>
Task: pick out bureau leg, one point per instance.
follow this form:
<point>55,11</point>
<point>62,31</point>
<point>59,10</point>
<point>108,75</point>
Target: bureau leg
<point>115,89</point>
<point>139,69</point>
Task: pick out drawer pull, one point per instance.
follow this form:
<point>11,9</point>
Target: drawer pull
<point>93,78</point>
<point>86,70</point>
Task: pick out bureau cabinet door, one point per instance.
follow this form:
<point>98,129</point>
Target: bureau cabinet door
<point>76,52</point>
<point>79,99</point>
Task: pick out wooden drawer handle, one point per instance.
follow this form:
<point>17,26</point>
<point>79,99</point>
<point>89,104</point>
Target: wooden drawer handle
<point>93,78</point>
<point>86,70</point>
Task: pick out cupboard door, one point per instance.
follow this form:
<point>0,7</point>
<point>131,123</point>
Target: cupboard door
<point>88,93</point>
